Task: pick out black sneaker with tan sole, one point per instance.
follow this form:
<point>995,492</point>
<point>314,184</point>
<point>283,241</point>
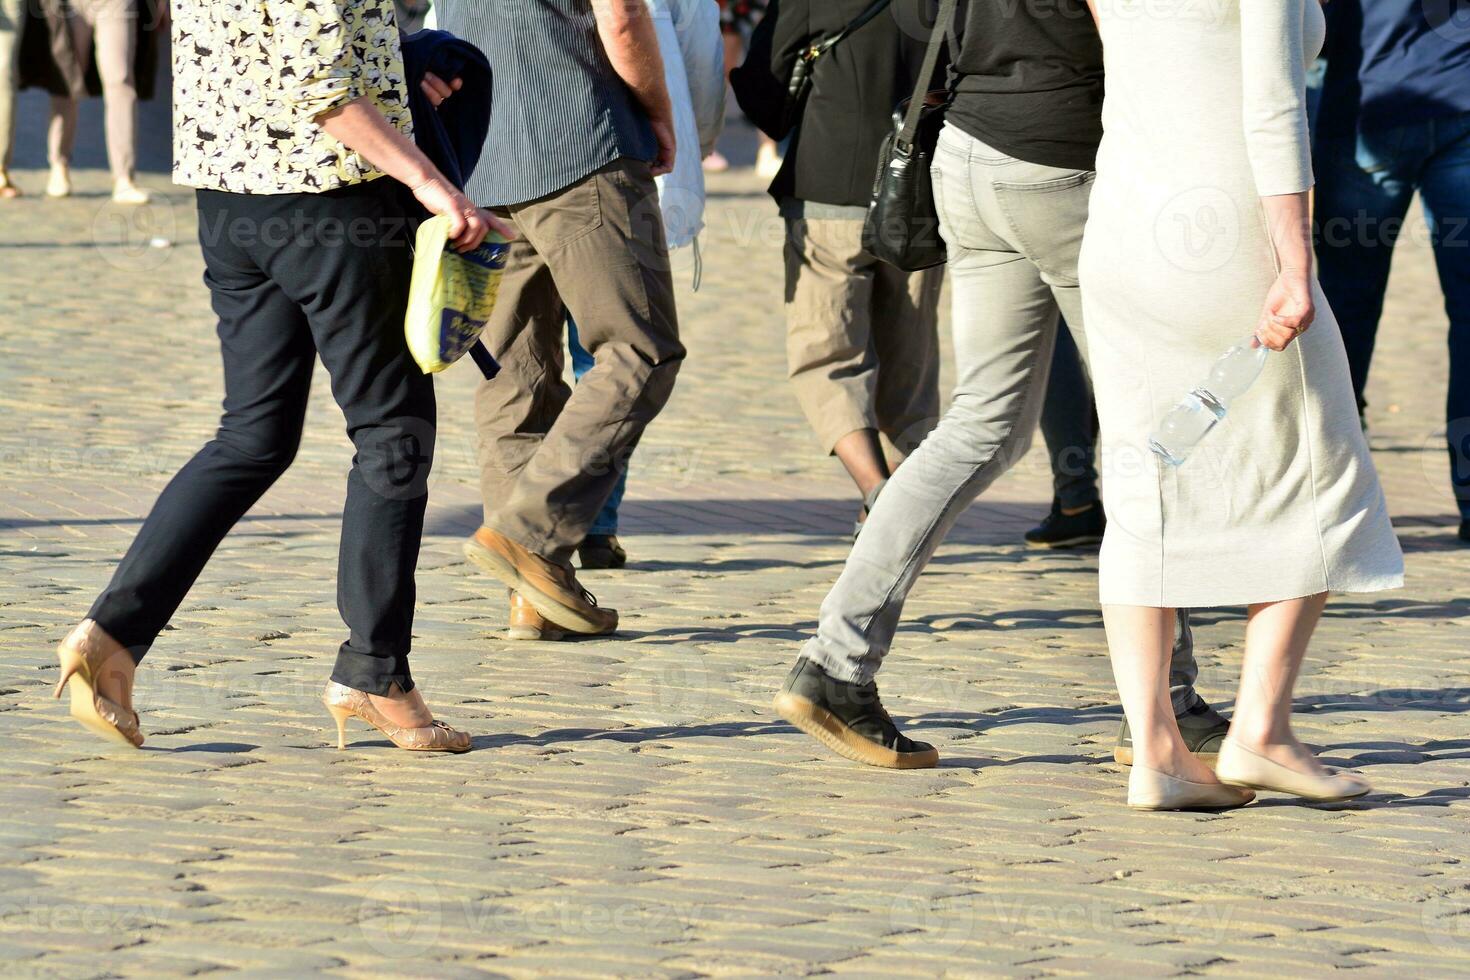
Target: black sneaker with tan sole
<point>1203,728</point>
<point>1063,530</point>
<point>849,719</point>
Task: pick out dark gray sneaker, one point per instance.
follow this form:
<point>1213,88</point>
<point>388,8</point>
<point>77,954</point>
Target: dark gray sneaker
<point>1203,728</point>
<point>849,719</point>
<point>1465,531</point>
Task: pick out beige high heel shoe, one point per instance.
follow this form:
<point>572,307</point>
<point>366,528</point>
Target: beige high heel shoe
<point>84,655</point>
<point>1239,766</point>
<point>346,702</point>
<point>1149,789</point>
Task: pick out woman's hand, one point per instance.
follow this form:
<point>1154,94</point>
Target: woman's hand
<point>468,225</point>
<point>1288,310</point>
<point>437,89</point>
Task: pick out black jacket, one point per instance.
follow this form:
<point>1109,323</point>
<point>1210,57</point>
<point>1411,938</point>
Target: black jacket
<point>833,155</point>
<point>453,135</point>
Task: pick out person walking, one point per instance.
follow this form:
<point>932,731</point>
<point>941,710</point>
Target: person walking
<point>862,340</point>
<point>107,32</point>
<point>1011,176</point>
<point>690,42</point>
<point>12,30</point>
<point>1395,121</point>
<point>575,176</point>
<point>287,182</point>
<point>1198,235</point>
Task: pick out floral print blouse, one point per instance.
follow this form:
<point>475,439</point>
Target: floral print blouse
<point>251,76</point>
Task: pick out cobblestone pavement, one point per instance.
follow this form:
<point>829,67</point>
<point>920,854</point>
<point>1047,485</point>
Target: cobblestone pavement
<point>633,807</point>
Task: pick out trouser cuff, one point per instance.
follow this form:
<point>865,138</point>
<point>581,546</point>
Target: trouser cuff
<point>841,667</point>
<point>373,675</point>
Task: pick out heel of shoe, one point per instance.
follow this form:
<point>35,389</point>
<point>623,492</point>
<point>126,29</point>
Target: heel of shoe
<point>340,715</point>
<point>72,663</point>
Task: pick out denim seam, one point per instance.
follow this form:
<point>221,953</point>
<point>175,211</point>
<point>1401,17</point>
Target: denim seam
<point>1002,450</point>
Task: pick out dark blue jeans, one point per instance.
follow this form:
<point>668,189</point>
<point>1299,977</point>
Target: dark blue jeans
<point>1069,426</point>
<point>1364,188</point>
<point>582,361</point>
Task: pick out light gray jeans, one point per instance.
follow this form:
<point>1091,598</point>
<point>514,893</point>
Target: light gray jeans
<point>1013,230</point>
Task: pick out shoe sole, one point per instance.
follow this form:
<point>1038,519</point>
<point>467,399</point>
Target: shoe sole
<point>549,607</point>
<point>1078,542</point>
<point>1260,788</point>
<point>828,729</point>
<point>532,633</point>
<point>1124,757</point>
<point>1201,808</point>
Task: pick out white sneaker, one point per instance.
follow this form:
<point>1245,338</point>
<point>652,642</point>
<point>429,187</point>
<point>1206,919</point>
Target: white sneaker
<point>127,192</point>
<point>59,184</point>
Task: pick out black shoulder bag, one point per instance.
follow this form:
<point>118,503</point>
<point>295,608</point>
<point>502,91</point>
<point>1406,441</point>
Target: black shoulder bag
<point>902,225</point>
<point>800,84</point>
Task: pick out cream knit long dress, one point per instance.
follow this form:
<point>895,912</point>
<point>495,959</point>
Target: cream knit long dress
<point>1204,114</point>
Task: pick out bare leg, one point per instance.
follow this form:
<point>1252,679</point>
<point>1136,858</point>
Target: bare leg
<point>862,454</point>
<point>1276,638</point>
<point>1141,642</point>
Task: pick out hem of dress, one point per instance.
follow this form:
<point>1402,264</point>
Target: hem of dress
<point>1377,583</point>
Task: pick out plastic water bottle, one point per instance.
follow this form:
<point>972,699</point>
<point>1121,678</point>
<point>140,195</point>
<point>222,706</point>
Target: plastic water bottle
<point>1202,409</point>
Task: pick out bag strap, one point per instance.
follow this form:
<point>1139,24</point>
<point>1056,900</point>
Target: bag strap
<point>827,44</point>
<point>905,140</point>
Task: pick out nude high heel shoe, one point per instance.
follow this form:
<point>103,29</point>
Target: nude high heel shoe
<point>1239,766</point>
<point>1149,789</point>
<point>84,655</point>
<point>345,702</point>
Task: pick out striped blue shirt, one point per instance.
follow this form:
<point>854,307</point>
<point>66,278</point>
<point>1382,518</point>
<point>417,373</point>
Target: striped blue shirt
<point>559,110</point>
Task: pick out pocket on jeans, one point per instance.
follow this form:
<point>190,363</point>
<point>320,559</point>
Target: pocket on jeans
<point>568,216</point>
<point>1046,218</point>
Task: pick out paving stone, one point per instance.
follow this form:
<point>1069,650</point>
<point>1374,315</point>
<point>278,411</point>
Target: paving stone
<point>633,807</point>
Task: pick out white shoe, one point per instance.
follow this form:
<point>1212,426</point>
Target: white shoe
<point>59,184</point>
<point>127,192</point>
<point>1149,789</point>
<point>1239,766</point>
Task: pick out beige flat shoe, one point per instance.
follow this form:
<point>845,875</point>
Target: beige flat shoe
<point>1149,789</point>
<point>127,192</point>
<point>1239,766</point>
<point>344,702</point>
<point>85,655</point>
<point>59,183</point>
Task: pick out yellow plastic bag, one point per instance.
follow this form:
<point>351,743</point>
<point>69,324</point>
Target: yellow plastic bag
<point>452,295</point>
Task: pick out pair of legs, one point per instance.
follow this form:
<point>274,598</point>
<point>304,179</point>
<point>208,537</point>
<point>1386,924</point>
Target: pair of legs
<point>12,24</point>
<point>1013,230</point>
<point>1365,185</point>
<point>862,344</point>
<point>551,456</point>
<point>281,302</point>
<point>108,30</point>
<point>1277,634</point>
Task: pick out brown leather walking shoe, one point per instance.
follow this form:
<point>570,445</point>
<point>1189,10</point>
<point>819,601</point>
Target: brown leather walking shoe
<point>552,589</point>
<point>527,624</point>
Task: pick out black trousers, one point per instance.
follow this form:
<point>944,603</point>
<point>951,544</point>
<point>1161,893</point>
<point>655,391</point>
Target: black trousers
<point>292,276</point>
